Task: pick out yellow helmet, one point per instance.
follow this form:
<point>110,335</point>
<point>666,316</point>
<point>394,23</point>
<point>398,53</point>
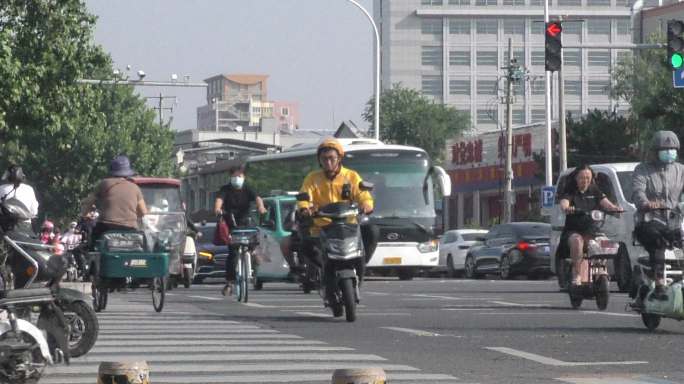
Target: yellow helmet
<point>331,143</point>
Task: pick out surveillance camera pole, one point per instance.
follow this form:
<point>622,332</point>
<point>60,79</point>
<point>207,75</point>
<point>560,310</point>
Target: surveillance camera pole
<point>508,192</point>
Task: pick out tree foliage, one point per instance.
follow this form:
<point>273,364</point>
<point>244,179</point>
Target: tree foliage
<point>645,82</point>
<point>61,132</point>
<point>408,118</point>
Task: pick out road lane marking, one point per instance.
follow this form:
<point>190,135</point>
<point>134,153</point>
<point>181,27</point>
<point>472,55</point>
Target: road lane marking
<point>181,348</point>
<point>416,332</point>
<point>425,296</point>
<point>511,304</point>
<point>205,297</point>
<point>557,363</point>
<point>610,314</point>
<point>614,379</point>
<point>89,359</point>
<point>314,314</point>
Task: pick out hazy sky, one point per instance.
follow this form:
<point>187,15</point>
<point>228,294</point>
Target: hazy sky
<point>316,52</point>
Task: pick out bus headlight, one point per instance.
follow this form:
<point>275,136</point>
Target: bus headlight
<point>428,246</point>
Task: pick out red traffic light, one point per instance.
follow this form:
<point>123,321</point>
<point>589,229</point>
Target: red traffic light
<point>553,29</point>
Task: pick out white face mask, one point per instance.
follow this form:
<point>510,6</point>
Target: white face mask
<point>237,181</point>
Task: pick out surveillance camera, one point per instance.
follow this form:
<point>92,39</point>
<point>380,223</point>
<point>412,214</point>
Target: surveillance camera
<point>116,72</point>
<point>128,67</point>
<point>141,74</point>
<point>174,77</point>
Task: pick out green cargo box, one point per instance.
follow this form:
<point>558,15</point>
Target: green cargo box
<point>136,265</point>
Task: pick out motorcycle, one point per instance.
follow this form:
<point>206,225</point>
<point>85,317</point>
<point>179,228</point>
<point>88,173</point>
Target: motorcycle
<point>651,309</point>
<point>341,248</point>
<point>34,265</point>
<point>594,270</point>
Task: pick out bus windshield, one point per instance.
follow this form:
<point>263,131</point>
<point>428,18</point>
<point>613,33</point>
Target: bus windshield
<point>398,178</point>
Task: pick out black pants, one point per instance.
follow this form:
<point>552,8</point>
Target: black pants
<point>231,260</point>
<point>656,237</point>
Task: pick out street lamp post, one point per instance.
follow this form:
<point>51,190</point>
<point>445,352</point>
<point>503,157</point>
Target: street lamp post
<point>376,114</point>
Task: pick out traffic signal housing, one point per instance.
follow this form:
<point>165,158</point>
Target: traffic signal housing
<point>675,44</point>
<point>553,46</point>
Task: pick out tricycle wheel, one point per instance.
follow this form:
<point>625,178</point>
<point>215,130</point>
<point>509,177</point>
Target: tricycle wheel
<point>158,293</point>
<point>602,292</point>
<point>651,321</point>
<point>99,298</point>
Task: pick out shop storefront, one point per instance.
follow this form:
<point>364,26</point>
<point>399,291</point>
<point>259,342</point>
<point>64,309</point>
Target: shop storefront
<point>476,165</point>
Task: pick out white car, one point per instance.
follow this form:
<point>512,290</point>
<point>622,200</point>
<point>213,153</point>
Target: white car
<point>453,247</point>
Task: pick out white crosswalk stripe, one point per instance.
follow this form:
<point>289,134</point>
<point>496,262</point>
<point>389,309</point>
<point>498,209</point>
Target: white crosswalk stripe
<point>184,345</point>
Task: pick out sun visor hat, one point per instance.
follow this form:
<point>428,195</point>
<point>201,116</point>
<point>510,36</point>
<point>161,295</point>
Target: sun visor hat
<point>665,140</point>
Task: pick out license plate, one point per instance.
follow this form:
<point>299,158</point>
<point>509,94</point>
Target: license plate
<point>138,263</point>
<point>391,260</point>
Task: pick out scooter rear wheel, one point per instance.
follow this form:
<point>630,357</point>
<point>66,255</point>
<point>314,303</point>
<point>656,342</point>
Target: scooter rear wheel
<point>651,321</point>
<point>602,292</point>
<point>158,293</point>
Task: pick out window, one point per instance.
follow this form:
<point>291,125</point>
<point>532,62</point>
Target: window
<point>573,87</point>
<point>604,184</point>
<point>536,2</point>
<point>487,116</point>
<point>598,26</point>
<point>431,56</point>
<point>487,27</point>
<point>459,58</point>
<point>518,116</point>
<point>571,57</point>
<point>513,2</point>
<point>538,86</point>
<point>598,58</point>
<point>518,55</point>
<point>487,58</point>
<point>431,27</point>
<point>514,26</point>
<point>431,85</point>
<point>572,28</point>
<point>569,3</point>
<point>430,2</point>
<point>598,87</point>
<point>485,2</point>
<point>623,56</point>
<point>459,87</point>
<point>538,114</point>
<point>598,3</point>
<point>459,2</point>
<point>538,57</point>
<point>574,114</point>
<point>284,111</point>
<point>623,3</point>
<point>459,27</point>
<point>486,87</point>
<point>623,26</point>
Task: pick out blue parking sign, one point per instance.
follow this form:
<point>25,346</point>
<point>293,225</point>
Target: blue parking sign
<point>678,78</point>
<point>548,194</point>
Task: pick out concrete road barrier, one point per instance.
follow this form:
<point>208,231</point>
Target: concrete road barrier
<point>359,376</point>
<point>131,372</point>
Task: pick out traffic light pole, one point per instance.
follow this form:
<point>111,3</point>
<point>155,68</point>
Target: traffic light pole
<point>561,116</point>
<point>549,154</point>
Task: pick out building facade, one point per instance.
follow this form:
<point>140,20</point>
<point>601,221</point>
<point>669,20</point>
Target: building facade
<point>453,51</point>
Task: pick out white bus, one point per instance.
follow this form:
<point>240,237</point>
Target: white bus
<point>406,184</point>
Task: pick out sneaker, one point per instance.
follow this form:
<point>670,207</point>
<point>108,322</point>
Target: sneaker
<point>227,289</point>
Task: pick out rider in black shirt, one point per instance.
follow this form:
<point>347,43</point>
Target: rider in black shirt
<point>233,202</point>
<point>581,194</point>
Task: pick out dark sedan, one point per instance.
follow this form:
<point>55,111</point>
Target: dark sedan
<point>509,250</point>
<point>211,258</point>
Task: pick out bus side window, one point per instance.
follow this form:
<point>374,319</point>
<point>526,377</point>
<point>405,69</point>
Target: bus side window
<point>604,184</point>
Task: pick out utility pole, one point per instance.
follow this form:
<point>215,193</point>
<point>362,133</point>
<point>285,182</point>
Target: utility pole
<point>508,192</point>
<point>160,107</point>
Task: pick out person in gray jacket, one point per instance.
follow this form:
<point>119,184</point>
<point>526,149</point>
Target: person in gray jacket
<point>658,183</point>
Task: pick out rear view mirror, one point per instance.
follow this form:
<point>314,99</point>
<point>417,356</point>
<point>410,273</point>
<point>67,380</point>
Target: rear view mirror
<point>443,180</point>
<point>366,186</point>
<point>303,196</point>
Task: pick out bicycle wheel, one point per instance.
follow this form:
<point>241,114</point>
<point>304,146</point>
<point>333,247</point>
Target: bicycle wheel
<point>240,277</point>
<point>158,293</point>
<point>246,273</point>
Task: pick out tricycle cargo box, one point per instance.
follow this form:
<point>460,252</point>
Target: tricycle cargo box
<point>136,265</point>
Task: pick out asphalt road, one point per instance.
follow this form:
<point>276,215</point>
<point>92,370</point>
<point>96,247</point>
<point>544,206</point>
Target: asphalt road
<point>436,331</point>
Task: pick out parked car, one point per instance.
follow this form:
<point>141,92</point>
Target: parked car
<point>512,249</point>
<point>453,247</point>
<point>615,180</point>
<point>211,258</point>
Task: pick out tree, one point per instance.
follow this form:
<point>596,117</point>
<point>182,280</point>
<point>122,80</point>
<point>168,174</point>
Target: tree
<point>408,118</point>
<point>645,82</point>
<point>61,132</point>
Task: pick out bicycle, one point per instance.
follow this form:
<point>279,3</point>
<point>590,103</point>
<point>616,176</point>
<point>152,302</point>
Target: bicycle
<point>247,240</point>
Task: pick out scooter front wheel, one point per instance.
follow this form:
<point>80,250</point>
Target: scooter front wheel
<point>158,293</point>
<point>602,292</point>
<point>349,299</point>
<point>651,321</point>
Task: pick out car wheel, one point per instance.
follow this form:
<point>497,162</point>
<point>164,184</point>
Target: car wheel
<point>505,268</point>
<point>451,271</point>
<point>470,267</point>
